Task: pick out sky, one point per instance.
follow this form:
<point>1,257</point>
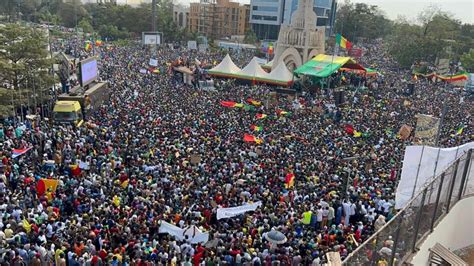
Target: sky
<point>460,9</point>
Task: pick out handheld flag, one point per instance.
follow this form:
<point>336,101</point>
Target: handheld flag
<point>98,42</point>
<point>45,185</point>
<point>289,180</point>
<point>256,128</point>
<point>231,104</point>
<point>282,113</point>
<point>270,48</point>
<point>261,116</point>
<point>357,134</point>
<point>460,130</point>
<point>343,42</point>
<point>254,102</point>
<point>250,138</point>
<point>19,152</point>
<point>88,46</point>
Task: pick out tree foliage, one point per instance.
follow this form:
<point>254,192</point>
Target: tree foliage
<point>24,62</point>
<point>250,37</point>
<point>437,35</point>
<point>361,21</point>
<point>467,60</point>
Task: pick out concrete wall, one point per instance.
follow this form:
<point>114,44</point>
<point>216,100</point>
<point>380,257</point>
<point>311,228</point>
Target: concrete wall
<point>454,232</point>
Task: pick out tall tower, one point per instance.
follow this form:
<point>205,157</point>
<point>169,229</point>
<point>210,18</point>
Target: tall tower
<point>302,39</point>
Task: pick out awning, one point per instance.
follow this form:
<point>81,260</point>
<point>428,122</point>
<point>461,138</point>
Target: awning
<point>323,66</point>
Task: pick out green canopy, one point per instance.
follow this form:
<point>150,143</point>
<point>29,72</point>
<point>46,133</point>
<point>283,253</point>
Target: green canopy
<point>323,66</point>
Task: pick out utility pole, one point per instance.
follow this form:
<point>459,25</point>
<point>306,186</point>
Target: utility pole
<point>153,15</point>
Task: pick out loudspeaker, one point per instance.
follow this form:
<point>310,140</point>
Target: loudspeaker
<point>410,89</point>
<point>339,97</point>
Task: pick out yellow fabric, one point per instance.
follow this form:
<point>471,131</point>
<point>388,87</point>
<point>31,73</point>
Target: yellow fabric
<point>307,217</point>
<point>27,226</point>
<point>116,201</point>
<point>333,59</point>
<point>50,184</point>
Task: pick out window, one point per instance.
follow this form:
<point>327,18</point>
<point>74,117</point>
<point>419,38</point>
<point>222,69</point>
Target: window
<point>322,22</point>
<point>265,8</point>
<point>268,18</point>
<point>320,12</point>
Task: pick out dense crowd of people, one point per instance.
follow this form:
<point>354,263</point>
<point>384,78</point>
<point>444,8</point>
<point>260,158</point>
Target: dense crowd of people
<point>162,151</point>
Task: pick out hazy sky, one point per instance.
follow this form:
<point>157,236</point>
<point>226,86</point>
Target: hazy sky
<point>460,9</point>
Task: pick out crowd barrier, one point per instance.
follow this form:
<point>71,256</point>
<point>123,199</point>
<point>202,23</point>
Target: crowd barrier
<point>397,240</point>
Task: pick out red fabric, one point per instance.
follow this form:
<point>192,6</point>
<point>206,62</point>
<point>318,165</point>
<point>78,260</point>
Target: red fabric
<point>349,129</point>
<point>249,138</point>
<point>228,103</point>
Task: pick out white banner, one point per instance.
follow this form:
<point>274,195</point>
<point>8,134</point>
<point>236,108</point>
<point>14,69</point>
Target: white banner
<point>153,62</point>
<point>261,61</point>
<point>424,158</point>
<point>235,211</point>
<point>194,234</point>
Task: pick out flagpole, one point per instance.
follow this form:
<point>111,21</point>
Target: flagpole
<point>332,61</point>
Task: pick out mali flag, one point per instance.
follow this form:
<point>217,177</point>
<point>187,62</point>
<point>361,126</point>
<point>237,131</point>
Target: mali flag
<point>88,46</point>
<point>261,116</point>
<point>254,102</point>
<point>231,104</point>
<point>251,138</point>
<point>343,42</point>
<point>289,180</point>
<point>256,128</point>
<point>282,113</point>
<point>460,130</point>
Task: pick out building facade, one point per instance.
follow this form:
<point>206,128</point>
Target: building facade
<point>181,16</point>
<point>218,18</point>
<point>267,16</point>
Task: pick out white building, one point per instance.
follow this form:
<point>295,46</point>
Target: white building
<point>181,15</point>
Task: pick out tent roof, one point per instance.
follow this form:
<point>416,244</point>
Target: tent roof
<point>324,65</point>
<point>253,70</point>
<point>227,66</point>
<point>281,73</point>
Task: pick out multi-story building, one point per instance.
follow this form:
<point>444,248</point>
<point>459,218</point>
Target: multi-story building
<point>181,15</point>
<point>266,16</point>
<point>218,18</point>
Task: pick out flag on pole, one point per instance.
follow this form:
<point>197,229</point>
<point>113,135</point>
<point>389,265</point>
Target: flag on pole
<point>343,42</point>
<point>19,152</point>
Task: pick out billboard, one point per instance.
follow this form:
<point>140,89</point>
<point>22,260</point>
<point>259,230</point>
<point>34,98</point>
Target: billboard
<point>151,37</point>
<point>426,130</point>
<point>88,71</point>
<point>192,45</point>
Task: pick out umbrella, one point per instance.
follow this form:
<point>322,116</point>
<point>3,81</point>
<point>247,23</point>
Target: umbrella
<point>275,237</point>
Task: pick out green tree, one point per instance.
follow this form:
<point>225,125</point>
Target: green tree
<point>361,21</point>
<point>467,60</point>
<point>24,64</point>
<point>437,35</point>
<point>250,37</point>
<point>86,26</point>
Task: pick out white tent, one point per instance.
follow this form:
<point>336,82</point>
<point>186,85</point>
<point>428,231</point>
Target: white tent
<point>253,70</point>
<point>227,66</point>
<point>281,73</point>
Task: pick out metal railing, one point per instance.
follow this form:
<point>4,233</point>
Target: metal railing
<point>394,243</point>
